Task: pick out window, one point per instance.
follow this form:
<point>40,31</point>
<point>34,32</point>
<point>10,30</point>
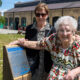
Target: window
<point>23,22</point>
<point>54,20</point>
<point>6,21</point>
<point>10,21</point>
<point>34,19</point>
<point>16,23</point>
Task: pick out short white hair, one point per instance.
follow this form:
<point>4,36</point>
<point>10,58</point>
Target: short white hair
<point>66,20</point>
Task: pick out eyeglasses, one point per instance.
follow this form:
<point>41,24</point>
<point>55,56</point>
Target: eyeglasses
<point>40,14</point>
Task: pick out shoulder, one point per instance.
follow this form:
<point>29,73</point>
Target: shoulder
<point>28,29</point>
<point>29,26</point>
<point>52,36</point>
<point>76,46</point>
<point>52,30</point>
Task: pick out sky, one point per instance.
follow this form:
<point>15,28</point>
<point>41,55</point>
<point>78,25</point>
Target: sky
<point>8,4</point>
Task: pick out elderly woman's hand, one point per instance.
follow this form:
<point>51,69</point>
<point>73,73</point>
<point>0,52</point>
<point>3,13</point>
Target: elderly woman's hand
<point>19,42</point>
<point>14,42</point>
<point>70,75</point>
<point>77,37</point>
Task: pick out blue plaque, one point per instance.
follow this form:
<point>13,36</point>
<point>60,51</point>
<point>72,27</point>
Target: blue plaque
<point>18,61</point>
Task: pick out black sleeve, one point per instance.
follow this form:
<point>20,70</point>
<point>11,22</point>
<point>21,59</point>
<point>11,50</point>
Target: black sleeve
<point>30,33</point>
<point>27,34</point>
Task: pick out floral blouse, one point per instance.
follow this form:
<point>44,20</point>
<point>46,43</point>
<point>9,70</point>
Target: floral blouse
<point>62,59</point>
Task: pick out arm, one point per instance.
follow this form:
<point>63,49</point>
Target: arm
<point>25,43</point>
<point>38,45</point>
<point>32,44</point>
<point>72,74</point>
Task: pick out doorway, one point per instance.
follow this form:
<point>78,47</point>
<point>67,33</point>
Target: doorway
<point>16,23</point>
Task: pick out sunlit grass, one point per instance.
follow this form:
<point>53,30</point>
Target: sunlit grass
<point>4,40</point>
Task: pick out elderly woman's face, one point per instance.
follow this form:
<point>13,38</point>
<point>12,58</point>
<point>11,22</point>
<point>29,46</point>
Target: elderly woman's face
<point>65,33</point>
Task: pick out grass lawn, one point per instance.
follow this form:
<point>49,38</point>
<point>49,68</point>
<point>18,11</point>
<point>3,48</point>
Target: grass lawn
<point>4,40</point>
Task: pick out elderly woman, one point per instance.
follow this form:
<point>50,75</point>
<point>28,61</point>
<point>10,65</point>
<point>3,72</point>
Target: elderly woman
<point>64,49</point>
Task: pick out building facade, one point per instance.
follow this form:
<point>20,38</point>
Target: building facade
<point>0,13</point>
<point>23,13</point>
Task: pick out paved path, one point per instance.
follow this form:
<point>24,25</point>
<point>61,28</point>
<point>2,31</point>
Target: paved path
<point>7,31</point>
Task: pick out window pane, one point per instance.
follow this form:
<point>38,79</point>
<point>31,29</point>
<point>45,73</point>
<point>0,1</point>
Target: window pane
<point>6,21</point>
<point>34,19</point>
<point>23,22</point>
<point>54,20</point>
<point>10,21</point>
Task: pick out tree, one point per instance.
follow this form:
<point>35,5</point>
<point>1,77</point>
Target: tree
<point>2,19</point>
<point>0,2</point>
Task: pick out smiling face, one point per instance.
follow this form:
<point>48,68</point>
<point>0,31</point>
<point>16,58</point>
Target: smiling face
<point>41,16</point>
<point>65,33</point>
<point>65,27</point>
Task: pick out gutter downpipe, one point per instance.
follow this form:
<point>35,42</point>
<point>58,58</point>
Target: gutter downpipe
<point>31,18</point>
<point>13,21</point>
<point>62,11</point>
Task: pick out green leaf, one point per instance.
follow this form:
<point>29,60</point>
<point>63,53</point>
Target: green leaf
<point>0,2</point>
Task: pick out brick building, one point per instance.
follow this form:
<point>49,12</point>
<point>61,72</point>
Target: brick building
<point>23,12</point>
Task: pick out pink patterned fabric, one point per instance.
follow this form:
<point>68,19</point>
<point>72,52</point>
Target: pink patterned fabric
<point>62,60</point>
